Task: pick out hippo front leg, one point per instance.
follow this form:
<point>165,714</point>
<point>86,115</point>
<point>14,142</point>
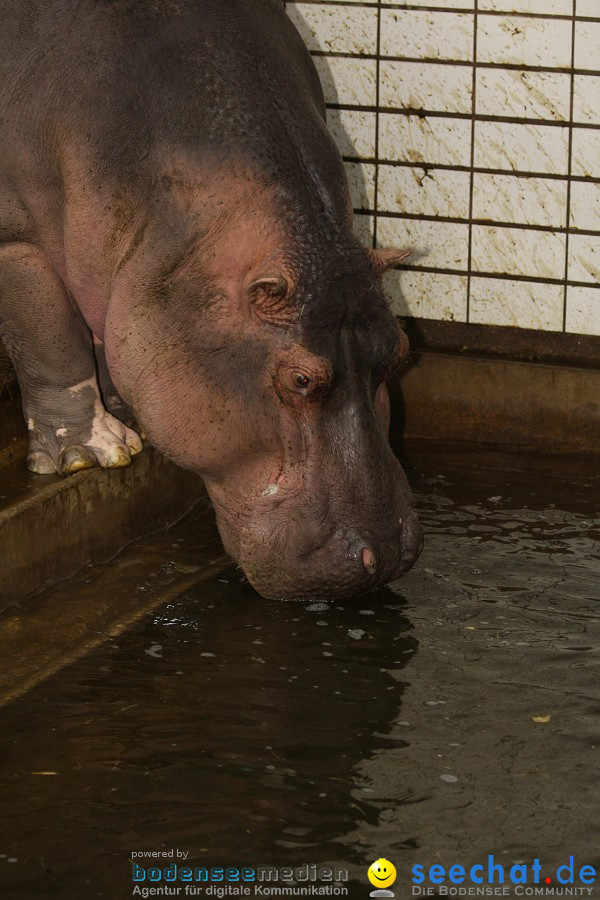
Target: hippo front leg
<point>110,396</point>
<point>51,349</point>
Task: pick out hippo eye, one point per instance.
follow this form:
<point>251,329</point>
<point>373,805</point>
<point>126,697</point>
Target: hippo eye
<point>301,381</point>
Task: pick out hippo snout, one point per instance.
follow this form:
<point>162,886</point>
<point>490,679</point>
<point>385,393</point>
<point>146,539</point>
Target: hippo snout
<point>353,560</point>
<point>387,558</point>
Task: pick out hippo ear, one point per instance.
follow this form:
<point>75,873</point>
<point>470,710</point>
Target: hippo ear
<point>386,259</point>
<point>269,296</point>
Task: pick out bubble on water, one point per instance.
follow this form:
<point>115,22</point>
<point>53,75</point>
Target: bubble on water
<point>315,607</point>
<point>449,779</point>
<point>208,654</point>
<point>154,650</point>
<point>356,633</point>
<point>366,612</point>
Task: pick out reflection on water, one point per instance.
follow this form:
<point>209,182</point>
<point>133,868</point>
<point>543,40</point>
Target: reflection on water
<point>450,716</point>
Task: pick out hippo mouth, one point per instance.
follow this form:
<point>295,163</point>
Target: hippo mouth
<point>281,560</point>
<point>349,563</point>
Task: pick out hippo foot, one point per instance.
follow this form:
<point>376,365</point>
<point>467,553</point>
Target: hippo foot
<point>106,442</point>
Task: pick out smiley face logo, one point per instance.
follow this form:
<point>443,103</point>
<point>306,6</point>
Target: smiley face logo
<point>382,873</point>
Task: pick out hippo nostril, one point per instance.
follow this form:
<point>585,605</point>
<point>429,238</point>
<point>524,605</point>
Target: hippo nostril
<point>369,561</point>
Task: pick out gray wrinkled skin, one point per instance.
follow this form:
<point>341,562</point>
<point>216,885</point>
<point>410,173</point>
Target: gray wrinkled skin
<point>175,222</point>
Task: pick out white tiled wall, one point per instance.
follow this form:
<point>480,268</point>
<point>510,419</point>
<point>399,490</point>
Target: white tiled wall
<point>471,131</point>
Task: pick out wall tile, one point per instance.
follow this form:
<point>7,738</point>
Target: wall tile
<point>526,201</point>
<point>586,99</point>
<point>585,206</point>
<point>428,295</point>
<point>354,131</point>
<point>543,7</point>
<point>527,95</point>
<point>586,152</point>
<point>588,8</point>
<point>583,310</point>
<point>526,304</point>
<point>420,192</point>
<point>584,258</point>
<point>524,41</point>
<point>587,41</point>
<point>349,81</point>
<point>522,148</point>
<point>435,140</point>
<point>442,245</point>
<point>437,4</point>
<point>361,178</point>
<point>418,34</point>
<point>518,251</point>
<point>335,28</point>
<point>433,87</point>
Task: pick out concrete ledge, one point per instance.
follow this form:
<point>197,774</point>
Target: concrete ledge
<point>50,527</point>
<point>74,617</point>
<point>511,404</point>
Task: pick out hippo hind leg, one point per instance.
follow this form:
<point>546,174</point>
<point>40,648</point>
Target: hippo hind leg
<point>51,349</point>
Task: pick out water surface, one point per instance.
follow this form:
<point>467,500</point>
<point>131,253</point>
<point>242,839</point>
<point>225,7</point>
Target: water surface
<point>449,716</point>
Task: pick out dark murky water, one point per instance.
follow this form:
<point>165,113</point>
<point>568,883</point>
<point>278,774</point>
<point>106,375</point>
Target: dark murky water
<point>448,717</point>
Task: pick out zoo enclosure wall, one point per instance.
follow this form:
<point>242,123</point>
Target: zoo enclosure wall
<point>471,131</point>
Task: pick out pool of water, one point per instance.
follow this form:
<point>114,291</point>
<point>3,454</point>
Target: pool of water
<point>448,717</point>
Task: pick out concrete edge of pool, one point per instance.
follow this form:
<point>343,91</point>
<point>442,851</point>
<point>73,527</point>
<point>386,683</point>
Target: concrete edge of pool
<point>51,527</point>
<point>74,617</point>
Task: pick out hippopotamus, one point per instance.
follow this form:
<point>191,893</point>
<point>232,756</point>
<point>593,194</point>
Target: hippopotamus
<point>177,260</point>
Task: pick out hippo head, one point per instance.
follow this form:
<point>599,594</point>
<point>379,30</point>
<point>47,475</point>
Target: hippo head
<point>328,510</point>
<point>274,391</point>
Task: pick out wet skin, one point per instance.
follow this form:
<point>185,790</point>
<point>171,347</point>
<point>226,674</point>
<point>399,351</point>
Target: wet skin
<point>175,215</point>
